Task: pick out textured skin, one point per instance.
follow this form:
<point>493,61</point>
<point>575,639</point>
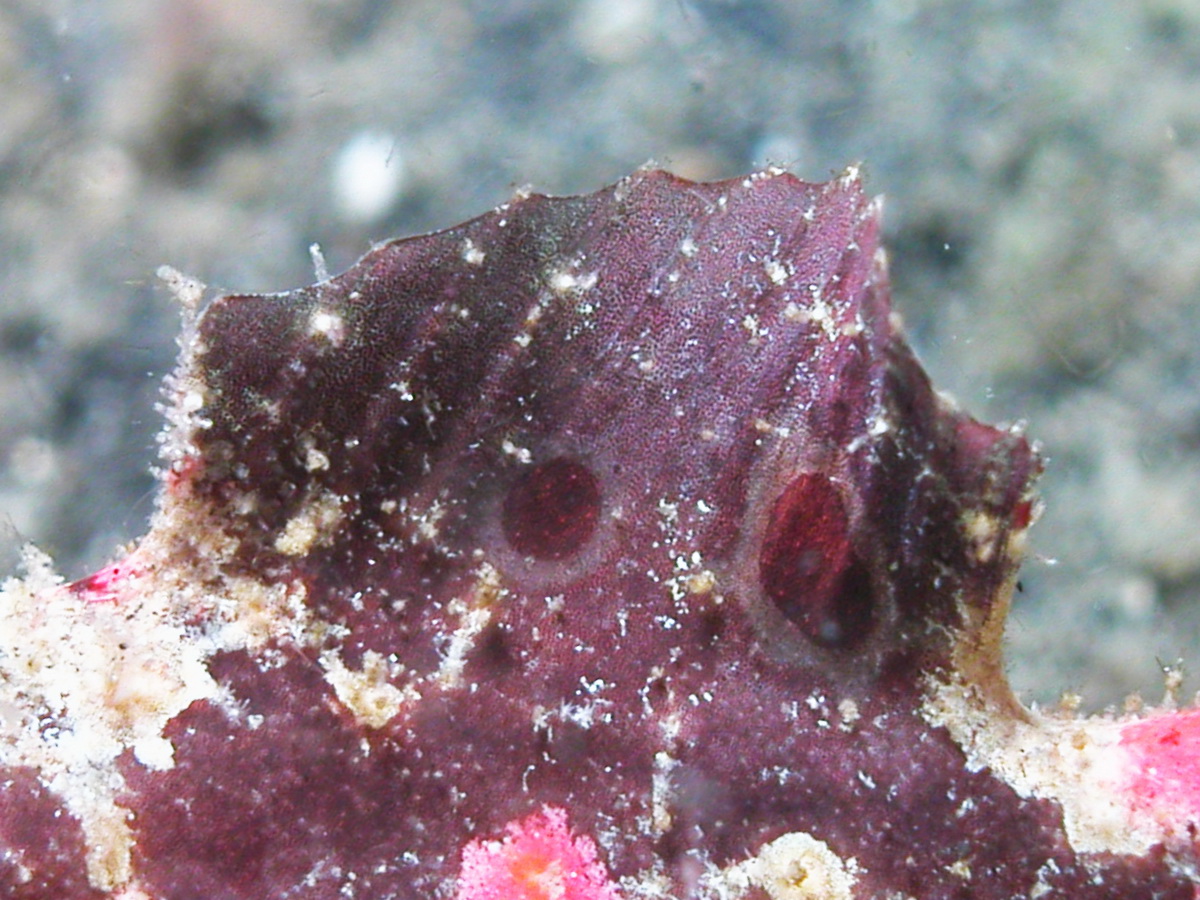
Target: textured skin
<point>636,531</point>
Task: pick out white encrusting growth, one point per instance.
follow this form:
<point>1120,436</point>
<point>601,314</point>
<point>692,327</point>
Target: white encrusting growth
<point>795,866</point>
<point>368,692</point>
<point>1078,763</point>
<point>315,523</point>
<point>126,655</point>
<point>473,614</point>
<point>82,681</point>
<point>372,694</point>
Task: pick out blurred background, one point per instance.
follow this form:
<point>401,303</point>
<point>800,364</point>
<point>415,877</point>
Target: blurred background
<point>1041,162</point>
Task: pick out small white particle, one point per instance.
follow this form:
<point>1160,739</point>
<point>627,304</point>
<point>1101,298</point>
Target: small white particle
<point>520,454</point>
<point>315,460</point>
<point>329,325</point>
<point>776,271</point>
<point>368,175</point>
<point>471,254</point>
<point>562,281</point>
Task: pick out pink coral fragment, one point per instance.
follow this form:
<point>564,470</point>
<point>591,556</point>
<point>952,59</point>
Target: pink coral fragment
<point>1166,777</point>
<point>538,859</point>
<point>108,584</point>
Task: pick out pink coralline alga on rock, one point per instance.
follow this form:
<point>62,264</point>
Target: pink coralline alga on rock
<point>601,547</point>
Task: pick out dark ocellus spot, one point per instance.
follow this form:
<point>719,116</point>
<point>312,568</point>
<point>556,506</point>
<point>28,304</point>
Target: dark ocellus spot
<point>552,509</point>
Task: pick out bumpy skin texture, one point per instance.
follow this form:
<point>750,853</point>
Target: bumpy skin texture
<point>623,537</point>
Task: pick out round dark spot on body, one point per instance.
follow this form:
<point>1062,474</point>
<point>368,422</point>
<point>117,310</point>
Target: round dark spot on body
<point>552,509</point>
<point>808,568</point>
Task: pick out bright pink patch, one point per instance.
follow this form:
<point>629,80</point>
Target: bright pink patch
<point>106,585</point>
<point>538,859</point>
<point>1166,754</point>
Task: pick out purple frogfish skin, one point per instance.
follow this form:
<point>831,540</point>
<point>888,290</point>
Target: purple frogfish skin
<point>611,547</point>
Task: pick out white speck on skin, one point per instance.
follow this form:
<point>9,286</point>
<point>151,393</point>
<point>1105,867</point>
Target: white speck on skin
<point>776,271</point>
<point>520,454</point>
<point>329,325</point>
<point>756,331</point>
<point>315,460</point>
<point>848,710</point>
<point>562,281</point>
<point>471,254</point>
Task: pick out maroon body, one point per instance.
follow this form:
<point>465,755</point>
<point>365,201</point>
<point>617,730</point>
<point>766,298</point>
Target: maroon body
<point>650,515</point>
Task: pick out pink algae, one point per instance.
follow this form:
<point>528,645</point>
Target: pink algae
<point>538,859</point>
<point>1166,773</point>
<point>107,584</point>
